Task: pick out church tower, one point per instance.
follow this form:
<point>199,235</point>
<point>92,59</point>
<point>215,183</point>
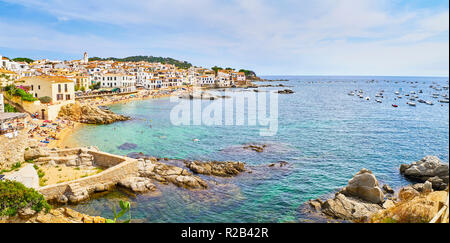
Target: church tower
<point>85,58</point>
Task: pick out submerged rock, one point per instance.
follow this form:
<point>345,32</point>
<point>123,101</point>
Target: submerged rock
<point>127,146</point>
<point>430,169</point>
<point>216,168</point>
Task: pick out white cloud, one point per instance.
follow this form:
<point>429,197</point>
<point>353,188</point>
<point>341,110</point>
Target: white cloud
<point>282,37</point>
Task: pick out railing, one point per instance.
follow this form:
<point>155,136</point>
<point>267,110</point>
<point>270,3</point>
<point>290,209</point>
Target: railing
<point>442,215</point>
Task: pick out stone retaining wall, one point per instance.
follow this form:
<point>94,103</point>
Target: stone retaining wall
<point>119,167</point>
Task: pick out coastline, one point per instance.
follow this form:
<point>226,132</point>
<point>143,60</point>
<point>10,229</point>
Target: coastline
<point>64,136</point>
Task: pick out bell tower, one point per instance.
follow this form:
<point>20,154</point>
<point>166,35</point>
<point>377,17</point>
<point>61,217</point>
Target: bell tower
<point>85,58</point>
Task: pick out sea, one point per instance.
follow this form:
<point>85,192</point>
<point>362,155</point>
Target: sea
<point>323,133</point>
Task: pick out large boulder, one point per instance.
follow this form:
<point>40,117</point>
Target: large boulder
<point>164,173</point>
<point>430,169</point>
<point>364,185</point>
<point>348,208</point>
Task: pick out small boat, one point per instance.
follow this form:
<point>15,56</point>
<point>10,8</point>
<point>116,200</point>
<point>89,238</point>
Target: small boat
<point>379,101</point>
<point>420,91</point>
<point>429,103</point>
<point>399,96</point>
<point>351,94</point>
<point>411,104</point>
<point>367,98</point>
<point>421,101</point>
<point>397,93</point>
<point>395,106</point>
<point>443,101</point>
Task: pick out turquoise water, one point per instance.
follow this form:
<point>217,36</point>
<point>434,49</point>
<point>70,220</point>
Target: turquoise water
<point>325,135</point>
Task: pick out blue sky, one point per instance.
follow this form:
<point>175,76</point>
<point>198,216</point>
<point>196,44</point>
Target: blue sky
<point>291,37</point>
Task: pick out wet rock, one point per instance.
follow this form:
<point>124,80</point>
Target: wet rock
<point>255,147</point>
<point>151,168</point>
<point>387,189</point>
<point>138,184</point>
<point>365,186</point>
<point>127,146</point>
<point>216,168</point>
<point>428,168</point>
<point>315,204</point>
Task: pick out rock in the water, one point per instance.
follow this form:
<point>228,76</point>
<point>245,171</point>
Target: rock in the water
<point>387,189</point>
<point>348,208</point>
<point>255,147</point>
<point>428,168</point>
<point>164,173</point>
<point>216,168</point>
<point>138,184</point>
<point>89,114</point>
<point>365,186</point>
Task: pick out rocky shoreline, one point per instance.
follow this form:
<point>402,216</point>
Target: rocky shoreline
<point>363,200</point>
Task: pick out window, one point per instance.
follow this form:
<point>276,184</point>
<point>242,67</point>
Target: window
<point>31,87</point>
<point>59,88</point>
<point>39,87</point>
<point>59,97</point>
<point>65,88</point>
<point>67,97</point>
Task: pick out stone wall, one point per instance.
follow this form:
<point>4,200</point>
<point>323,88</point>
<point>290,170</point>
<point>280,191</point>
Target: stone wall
<point>119,168</point>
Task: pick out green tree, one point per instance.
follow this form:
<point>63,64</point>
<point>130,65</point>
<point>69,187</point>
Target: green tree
<point>23,59</point>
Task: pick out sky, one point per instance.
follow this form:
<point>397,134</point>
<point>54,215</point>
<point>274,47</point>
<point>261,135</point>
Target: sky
<point>283,37</point>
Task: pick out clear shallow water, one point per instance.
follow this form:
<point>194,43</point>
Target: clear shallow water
<point>324,134</point>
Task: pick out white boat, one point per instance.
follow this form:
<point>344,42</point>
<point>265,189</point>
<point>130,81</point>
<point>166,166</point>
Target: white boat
<point>444,101</point>
<point>429,103</point>
<point>397,93</point>
<point>379,101</point>
<point>367,98</point>
<point>399,96</point>
<point>411,103</point>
